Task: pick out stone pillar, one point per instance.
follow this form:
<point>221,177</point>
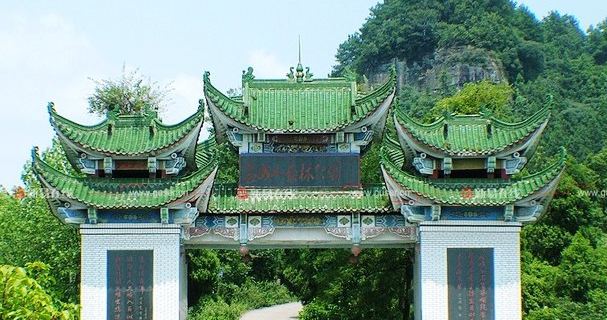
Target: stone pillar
<point>183,283</point>
<point>465,254</point>
<point>158,243</point>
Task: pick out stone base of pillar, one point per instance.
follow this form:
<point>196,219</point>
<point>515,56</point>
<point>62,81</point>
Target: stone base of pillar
<point>131,265</point>
<point>468,270</point>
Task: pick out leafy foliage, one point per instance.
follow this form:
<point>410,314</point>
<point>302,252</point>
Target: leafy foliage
<point>235,299</point>
<point>220,280</point>
<point>597,42</point>
<point>475,98</point>
<point>128,95</point>
<point>228,158</point>
<point>215,309</point>
<point>377,287</point>
<point>24,294</point>
<point>31,233</point>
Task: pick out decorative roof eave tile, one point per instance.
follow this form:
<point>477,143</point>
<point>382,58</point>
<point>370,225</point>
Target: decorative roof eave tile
<point>225,201</point>
<point>227,112</point>
<point>107,193</point>
<point>466,192</point>
<point>508,138</point>
<point>544,195</point>
<point>205,151</point>
<point>133,136</point>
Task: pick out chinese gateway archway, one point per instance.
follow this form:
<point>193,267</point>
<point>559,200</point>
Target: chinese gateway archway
<point>147,191</point>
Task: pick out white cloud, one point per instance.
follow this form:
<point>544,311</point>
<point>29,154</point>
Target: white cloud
<point>182,99</point>
<point>267,65</point>
<point>185,91</point>
<point>42,58</point>
<point>45,43</point>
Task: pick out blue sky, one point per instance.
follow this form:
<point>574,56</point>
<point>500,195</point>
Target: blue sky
<point>49,50</point>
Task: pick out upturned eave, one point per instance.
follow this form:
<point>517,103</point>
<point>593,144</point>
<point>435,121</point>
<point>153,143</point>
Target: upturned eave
<point>467,192</point>
<point>231,114</point>
<point>121,137</point>
<point>460,141</point>
<point>129,193</point>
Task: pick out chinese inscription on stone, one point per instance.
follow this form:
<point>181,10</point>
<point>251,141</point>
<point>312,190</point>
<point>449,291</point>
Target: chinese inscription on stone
<point>471,287</point>
<point>299,170</point>
<point>130,274</point>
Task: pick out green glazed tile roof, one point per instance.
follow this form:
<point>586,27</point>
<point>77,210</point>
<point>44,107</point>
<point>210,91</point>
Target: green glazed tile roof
<point>477,192</point>
<point>309,106</point>
<point>469,134</point>
<point>206,152</point>
<point>125,135</point>
<point>225,201</point>
<point>393,151</point>
<point>126,193</point>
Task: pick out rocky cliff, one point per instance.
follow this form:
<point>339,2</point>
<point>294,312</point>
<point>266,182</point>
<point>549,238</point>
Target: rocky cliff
<point>445,69</point>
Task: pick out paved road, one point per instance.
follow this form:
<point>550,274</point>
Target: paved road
<point>287,311</point>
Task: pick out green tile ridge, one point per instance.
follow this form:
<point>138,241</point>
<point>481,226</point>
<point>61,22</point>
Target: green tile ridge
<point>233,108</point>
<point>393,148</point>
<point>323,105</point>
<point>136,135</point>
<point>224,200</point>
<point>125,193</point>
<point>496,192</point>
<point>468,134</point>
<point>206,151</point>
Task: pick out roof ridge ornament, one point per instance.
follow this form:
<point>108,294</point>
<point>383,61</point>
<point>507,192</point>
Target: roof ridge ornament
<point>113,112</point>
<point>247,75</point>
<point>486,112</point>
<point>299,75</point>
<point>35,153</point>
<point>51,107</point>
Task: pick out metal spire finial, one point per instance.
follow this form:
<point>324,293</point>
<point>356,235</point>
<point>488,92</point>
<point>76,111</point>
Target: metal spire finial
<point>299,74</point>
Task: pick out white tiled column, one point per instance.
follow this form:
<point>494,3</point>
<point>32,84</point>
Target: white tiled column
<point>163,240</point>
<point>183,285</point>
<point>431,265</point>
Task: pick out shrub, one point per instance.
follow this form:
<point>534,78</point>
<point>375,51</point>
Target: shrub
<point>24,297</point>
<point>209,309</point>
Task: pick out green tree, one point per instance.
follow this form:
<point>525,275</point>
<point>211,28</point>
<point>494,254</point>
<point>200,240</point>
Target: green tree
<point>474,98</point>
<point>24,294</point>
<point>531,57</point>
<point>546,241</point>
<point>377,287</point>
<point>597,42</point>
<point>32,233</point>
<point>563,36</point>
<point>583,269</point>
<point>127,95</point>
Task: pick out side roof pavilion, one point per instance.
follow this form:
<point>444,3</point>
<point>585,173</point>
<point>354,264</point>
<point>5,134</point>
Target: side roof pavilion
<point>458,142</point>
<point>127,137</point>
<point>130,162</point>
<point>471,140</point>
